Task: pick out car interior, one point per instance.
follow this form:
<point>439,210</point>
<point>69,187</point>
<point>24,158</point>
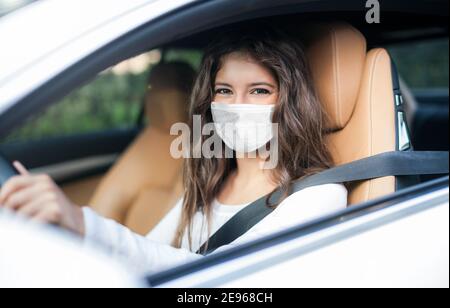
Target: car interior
<point>135,181</point>
<point>153,176</point>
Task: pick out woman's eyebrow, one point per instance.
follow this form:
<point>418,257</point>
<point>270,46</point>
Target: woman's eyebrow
<point>223,84</point>
<point>255,84</point>
<point>262,84</point>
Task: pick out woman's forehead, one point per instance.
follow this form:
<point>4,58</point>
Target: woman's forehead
<point>240,68</point>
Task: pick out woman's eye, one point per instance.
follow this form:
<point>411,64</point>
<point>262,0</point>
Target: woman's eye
<point>223,91</point>
<point>260,92</point>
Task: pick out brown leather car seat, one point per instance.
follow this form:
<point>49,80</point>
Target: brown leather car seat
<point>356,89</point>
<point>146,181</point>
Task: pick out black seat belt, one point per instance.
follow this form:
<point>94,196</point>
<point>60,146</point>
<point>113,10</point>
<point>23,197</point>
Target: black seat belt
<point>386,164</point>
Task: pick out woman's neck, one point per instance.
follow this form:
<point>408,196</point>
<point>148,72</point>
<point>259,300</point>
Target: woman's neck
<point>249,169</point>
<point>249,182</point>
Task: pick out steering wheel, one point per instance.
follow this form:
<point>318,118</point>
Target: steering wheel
<point>7,170</point>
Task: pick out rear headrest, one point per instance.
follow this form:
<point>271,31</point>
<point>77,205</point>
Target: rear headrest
<point>337,54</point>
<point>167,98</point>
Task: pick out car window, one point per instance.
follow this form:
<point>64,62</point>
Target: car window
<point>190,56</point>
<point>111,101</point>
<point>423,64</point>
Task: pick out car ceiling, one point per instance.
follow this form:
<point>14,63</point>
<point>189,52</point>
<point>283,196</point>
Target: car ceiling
<point>416,20</point>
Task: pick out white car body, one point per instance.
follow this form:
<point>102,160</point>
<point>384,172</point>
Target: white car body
<point>403,246</point>
<point>37,257</point>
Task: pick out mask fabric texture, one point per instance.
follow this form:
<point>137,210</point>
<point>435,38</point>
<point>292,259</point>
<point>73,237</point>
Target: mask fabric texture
<point>244,128</point>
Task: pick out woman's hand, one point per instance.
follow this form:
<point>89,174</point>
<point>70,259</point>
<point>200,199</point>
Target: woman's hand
<point>39,198</point>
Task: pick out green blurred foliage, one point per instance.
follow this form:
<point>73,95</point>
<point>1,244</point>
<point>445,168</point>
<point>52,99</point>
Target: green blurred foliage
<point>423,64</point>
<point>110,101</point>
<point>193,57</point>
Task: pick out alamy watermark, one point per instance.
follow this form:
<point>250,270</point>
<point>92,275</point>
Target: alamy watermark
<point>373,15</point>
<point>204,142</point>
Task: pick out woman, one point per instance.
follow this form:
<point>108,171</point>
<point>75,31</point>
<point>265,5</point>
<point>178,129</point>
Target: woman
<point>263,77</point>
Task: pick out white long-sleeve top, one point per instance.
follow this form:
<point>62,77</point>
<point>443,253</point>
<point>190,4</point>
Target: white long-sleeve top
<point>154,253</point>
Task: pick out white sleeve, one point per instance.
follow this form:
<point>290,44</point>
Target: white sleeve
<point>164,231</point>
<point>140,254</point>
<point>145,255</point>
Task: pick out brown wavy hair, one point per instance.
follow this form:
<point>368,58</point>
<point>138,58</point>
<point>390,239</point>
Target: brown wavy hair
<point>301,119</point>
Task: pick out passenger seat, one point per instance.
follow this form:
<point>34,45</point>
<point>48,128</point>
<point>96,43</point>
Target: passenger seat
<point>357,89</point>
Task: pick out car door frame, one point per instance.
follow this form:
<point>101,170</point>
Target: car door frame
<point>222,268</point>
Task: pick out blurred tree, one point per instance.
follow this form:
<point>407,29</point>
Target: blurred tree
<point>110,101</point>
<point>423,64</point>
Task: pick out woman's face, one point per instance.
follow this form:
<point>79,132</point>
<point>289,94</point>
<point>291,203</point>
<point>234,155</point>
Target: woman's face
<point>241,80</point>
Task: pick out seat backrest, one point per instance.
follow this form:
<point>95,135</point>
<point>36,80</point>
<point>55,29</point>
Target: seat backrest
<point>356,89</point>
<point>145,182</point>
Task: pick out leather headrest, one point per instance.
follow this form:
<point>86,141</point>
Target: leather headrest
<point>337,54</point>
<point>167,98</point>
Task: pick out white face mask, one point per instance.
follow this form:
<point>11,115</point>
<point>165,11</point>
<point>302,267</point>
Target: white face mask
<point>244,128</point>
